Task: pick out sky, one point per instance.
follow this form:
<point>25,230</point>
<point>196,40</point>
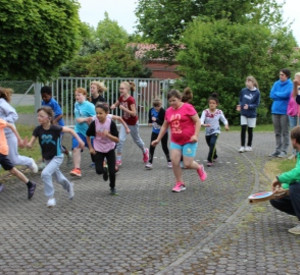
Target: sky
<point>122,11</point>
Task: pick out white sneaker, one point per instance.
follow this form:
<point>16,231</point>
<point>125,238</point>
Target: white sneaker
<point>34,168</point>
<point>248,149</point>
<point>148,165</point>
<point>295,230</point>
<point>51,202</point>
<point>242,149</point>
<point>170,164</point>
<point>71,191</point>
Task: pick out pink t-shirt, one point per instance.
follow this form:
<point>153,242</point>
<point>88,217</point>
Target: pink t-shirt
<point>181,124</point>
<point>102,143</point>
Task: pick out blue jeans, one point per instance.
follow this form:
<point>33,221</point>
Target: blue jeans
<point>211,142</point>
<point>289,204</point>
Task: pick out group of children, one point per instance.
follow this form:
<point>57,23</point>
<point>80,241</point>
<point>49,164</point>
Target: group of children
<point>95,129</point>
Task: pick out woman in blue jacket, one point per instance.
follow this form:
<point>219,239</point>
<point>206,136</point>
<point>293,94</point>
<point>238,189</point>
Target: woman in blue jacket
<point>280,94</point>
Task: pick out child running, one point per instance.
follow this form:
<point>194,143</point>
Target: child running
<point>105,135</point>
<point>184,124</point>
<point>97,89</point>
<point>127,104</point>
<point>6,163</point>
<point>84,112</point>
<point>210,119</point>
<point>156,119</point>
<point>49,136</point>
<point>48,100</point>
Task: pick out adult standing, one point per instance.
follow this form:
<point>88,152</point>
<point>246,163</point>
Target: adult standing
<point>280,94</point>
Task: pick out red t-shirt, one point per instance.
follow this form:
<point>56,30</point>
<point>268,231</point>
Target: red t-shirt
<point>181,124</point>
<point>130,120</point>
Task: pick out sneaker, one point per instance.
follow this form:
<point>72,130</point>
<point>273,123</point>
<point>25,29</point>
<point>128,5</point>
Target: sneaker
<point>148,166</point>
<point>292,156</point>
<point>202,174</point>
<point>242,149</point>
<point>170,164</point>
<point>248,149</point>
<point>119,162</point>
<point>179,186</point>
<point>34,168</point>
<point>282,155</point>
<point>76,172</point>
<point>42,165</point>
<point>1,187</point>
<point>31,190</point>
<point>274,154</point>
<point>209,164</point>
<point>113,192</point>
<point>92,165</point>
<point>51,202</point>
<point>146,156</point>
<point>295,230</point>
<point>105,173</point>
<point>70,190</point>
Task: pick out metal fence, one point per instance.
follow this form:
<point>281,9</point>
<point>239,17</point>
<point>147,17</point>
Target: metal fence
<point>146,90</point>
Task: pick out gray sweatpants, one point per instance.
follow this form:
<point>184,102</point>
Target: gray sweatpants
<point>134,132</point>
<point>52,168</point>
<point>281,129</point>
<point>13,153</point>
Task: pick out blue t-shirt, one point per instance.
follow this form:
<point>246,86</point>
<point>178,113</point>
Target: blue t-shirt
<point>84,109</point>
<point>56,109</point>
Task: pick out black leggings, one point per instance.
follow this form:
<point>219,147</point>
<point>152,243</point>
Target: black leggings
<point>243,136</point>
<point>111,159</point>
<point>164,144</point>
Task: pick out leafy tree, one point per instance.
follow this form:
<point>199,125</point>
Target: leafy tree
<point>110,33</point>
<point>105,52</point>
<point>36,37</point>
<point>219,55</point>
<point>114,61</point>
<point>163,21</point>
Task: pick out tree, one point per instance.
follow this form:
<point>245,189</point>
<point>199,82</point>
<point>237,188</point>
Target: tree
<point>37,37</point>
<point>219,55</point>
<point>110,33</point>
<point>163,21</point>
<point>114,61</point>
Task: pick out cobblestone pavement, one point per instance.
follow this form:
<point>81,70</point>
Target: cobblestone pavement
<point>208,229</point>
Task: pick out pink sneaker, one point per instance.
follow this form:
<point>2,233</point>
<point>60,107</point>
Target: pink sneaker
<point>118,162</point>
<point>146,156</point>
<point>179,186</point>
<point>202,174</point>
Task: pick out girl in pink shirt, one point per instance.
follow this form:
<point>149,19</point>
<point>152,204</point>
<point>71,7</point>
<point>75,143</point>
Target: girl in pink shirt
<point>105,135</point>
<point>184,124</point>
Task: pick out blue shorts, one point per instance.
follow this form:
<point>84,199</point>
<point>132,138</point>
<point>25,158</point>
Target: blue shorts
<point>188,149</point>
<point>75,142</point>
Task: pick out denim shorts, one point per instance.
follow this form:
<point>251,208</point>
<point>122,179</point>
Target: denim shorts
<point>188,149</point>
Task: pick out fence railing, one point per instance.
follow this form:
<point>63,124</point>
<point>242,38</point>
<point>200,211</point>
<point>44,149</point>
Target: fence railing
<point>146,90</point>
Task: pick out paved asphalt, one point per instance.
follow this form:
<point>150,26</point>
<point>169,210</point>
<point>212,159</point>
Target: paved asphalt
<point>208,229</point>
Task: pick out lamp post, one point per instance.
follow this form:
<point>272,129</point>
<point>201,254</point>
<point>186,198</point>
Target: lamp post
<point>141,99</point>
